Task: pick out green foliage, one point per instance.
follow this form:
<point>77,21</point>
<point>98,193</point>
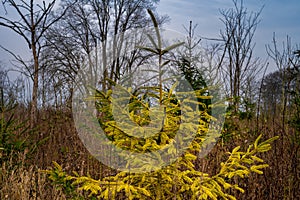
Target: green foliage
<point>295,120</point>
<point>11,131</point>
<point>233,118</point>
<point>231,128</point>
<point>195,77</point>
<point>248,111</point>
<point>179,179</point>
<point>63,181</point>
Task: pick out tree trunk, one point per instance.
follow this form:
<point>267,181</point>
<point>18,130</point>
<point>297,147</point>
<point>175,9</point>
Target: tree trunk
<point>34,102</point>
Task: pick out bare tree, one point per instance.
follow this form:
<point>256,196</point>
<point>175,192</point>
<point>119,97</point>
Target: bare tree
<point>240,27</point>
<point>96,34</point>
<point>286,62</point>
<point>33,23</point>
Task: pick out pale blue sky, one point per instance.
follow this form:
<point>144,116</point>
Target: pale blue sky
<point>279,16</point>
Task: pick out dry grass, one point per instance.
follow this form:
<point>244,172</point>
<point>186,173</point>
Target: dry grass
<point>280,180</point>
<point>26,182</point>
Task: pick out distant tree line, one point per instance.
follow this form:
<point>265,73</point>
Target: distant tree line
<point>63,42</point>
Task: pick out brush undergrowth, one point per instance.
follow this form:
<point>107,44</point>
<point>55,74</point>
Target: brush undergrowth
<point>179,179</point>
